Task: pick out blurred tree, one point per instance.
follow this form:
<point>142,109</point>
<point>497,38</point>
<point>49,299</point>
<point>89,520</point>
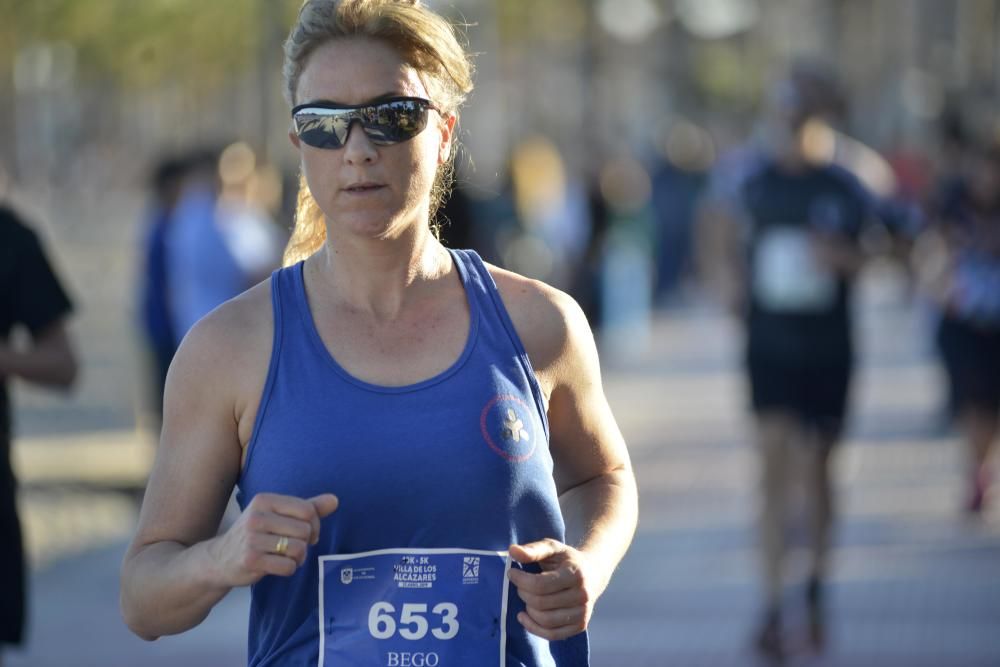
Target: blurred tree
<point>155,62</point>
<point>138,44</point>
<point>552,21</point>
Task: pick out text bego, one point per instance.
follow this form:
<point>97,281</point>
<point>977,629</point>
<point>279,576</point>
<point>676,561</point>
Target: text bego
<point>410,659</point>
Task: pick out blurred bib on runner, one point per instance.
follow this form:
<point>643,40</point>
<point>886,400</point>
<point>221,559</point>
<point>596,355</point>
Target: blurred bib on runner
<point>413,608</point>
<point>787,275</point>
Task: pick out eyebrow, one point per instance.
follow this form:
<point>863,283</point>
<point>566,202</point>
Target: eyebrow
<point>375,100</point>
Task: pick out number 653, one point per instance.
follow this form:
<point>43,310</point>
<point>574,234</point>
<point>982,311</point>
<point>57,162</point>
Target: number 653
<point>412,623</point>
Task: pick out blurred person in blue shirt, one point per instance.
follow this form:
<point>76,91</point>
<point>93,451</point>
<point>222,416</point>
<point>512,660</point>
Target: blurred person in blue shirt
<point>201,271</point>
<point>155,318</point>
<point>216,246</point>
<point>968,292</point>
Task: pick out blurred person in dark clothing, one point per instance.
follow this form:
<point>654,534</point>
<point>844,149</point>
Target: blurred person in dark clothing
<point>31,297</point>
<point>790,263</point>
<point>968,292</point>
<point>457,220</point>
<point>155,318</point>
<point>678,180</point>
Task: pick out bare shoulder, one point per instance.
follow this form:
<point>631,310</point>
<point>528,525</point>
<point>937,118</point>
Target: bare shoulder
<point>550,323</point>
<point>584,437</point>
<point>219,366</point>
<point>228,347</point>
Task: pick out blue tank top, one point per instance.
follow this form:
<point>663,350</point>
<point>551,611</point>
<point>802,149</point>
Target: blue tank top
<point>459,460</point>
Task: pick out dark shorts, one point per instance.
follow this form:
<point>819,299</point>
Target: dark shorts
<point>12,569</point>
<point>814,392</point>
<point>972,358</point>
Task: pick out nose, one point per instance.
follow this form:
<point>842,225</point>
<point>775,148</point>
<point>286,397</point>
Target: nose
<point>358,148</point>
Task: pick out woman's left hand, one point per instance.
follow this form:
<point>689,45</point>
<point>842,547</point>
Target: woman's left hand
<point>560,599</point>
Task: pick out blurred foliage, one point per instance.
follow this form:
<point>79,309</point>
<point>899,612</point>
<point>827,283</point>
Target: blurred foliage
<point>146,42</point>
<point>726,72</point>
<point>199,43</point>
<point>559,21</point>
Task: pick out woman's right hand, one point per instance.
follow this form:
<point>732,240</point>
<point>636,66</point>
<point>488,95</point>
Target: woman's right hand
<point>253,546</point>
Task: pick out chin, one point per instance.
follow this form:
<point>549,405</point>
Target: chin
<point>373,224</point>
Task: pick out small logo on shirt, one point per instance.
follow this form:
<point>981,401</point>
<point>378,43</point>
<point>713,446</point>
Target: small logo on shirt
<point>513,428</point>
<point>508,428</point>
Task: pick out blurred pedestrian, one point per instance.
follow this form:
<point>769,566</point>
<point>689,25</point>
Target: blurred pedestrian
<point>968,292</point>
<point>678,180</point>
<point>155,319</point>
<point>552,212</point>
<point>458,219</point>
<point>33,299</point>
<point>216,246</point>
<point>201,271</point>
<point>626,270</point>
<point>483,490</point>
<point>795,257</point>
<point>250,196</point>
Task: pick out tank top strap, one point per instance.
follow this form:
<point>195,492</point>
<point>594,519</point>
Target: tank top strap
<point>498,327</point>
<point>289,284</point>
<point>481,286</point>
<point>294,290</point>
<point>279,296</point>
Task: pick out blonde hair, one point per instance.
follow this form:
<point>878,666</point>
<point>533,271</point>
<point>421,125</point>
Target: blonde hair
<point>425,40</point>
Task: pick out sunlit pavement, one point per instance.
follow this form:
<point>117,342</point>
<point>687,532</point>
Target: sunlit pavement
<point>915,583</point>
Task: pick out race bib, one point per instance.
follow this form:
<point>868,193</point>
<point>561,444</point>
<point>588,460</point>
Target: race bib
<point>414,608</point>
<point>787,276</point>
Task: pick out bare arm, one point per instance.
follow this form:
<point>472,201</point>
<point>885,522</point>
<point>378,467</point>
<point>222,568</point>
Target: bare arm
<point>169,578</point>
<point>176,568</point>
<point>597,490</point>
<point>841,255</point>
<point>593,472</point>
<point>48,361</point>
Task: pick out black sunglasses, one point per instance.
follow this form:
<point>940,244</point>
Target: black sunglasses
<point>326,125</point>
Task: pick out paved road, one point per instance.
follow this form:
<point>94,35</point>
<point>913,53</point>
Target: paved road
<point>915,584</point>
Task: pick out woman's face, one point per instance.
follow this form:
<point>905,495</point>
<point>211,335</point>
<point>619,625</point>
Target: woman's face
<point>364,189</point>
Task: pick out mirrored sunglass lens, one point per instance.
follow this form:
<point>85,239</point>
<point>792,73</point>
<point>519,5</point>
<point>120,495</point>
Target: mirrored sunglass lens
<point>321,130</point>
<point>397,121</point>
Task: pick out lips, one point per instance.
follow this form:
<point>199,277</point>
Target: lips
<point>362,188</point>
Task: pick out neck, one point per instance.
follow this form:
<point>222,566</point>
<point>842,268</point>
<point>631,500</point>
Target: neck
<point>379,276</point>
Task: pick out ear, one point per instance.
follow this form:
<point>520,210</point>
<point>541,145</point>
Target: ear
<point>447,126</point>
<point>294,139</point>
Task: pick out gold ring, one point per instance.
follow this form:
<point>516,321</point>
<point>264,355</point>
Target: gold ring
<point>282,546</point>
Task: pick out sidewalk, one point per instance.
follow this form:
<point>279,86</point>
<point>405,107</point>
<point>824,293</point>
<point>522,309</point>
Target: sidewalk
<point>914,584</point>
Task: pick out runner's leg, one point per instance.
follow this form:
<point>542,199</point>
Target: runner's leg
<point>979,427</point>
<point>820,501</point>
<point>775,431</point>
